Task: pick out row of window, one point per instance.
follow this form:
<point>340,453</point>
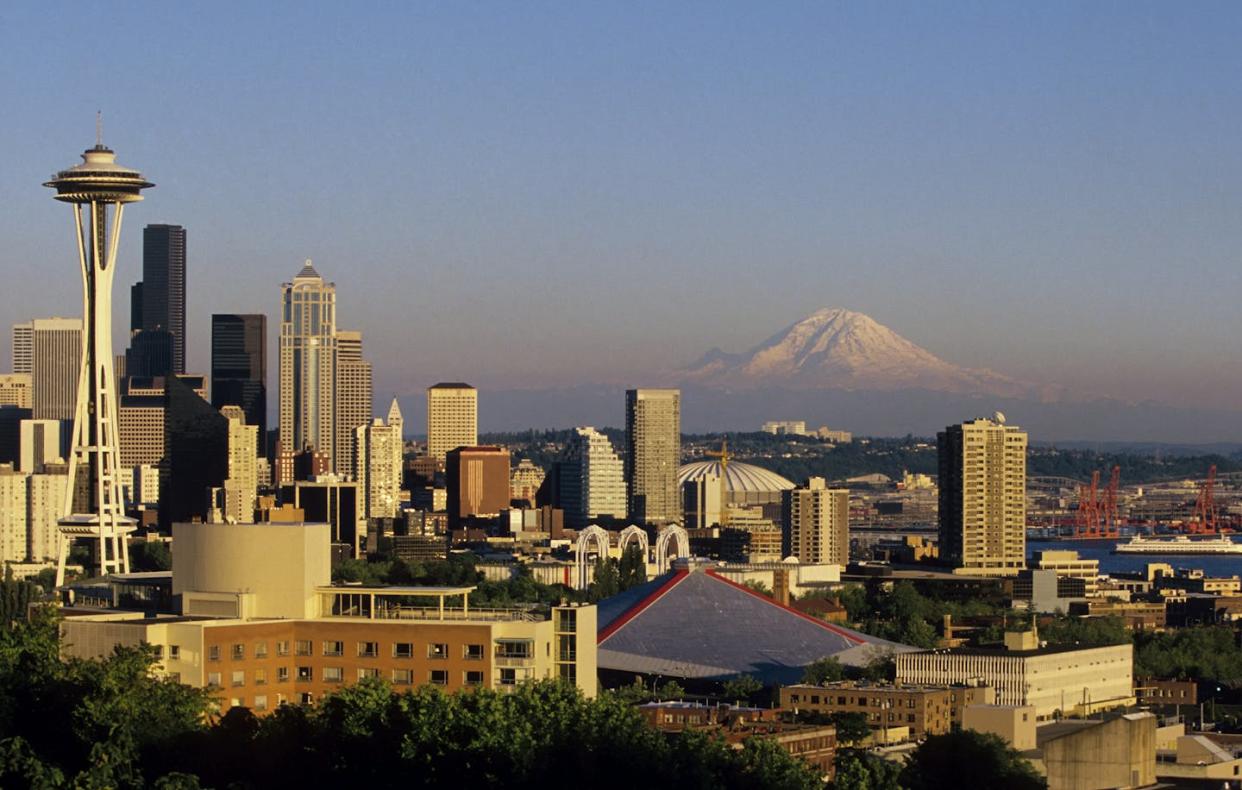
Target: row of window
<point>306,647</point>
<point>400,677</point>
<point>875,702</point>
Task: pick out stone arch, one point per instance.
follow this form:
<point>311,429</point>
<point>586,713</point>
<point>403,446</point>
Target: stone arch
<point>591,535</point>
<point>673,533</point>
<point>631,534</point>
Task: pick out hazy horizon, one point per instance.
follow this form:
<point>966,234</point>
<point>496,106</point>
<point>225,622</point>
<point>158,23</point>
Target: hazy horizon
<point>546,196</point>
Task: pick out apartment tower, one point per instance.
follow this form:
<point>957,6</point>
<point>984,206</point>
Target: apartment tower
<point>378,463</point>
<point>452,418</point>
<point>816,526</point>
<point>653,455</point>
<point>591,485</point>
<point>308,363</point>
<point>983,497</point>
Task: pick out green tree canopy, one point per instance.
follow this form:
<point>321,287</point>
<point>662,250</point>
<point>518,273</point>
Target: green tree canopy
<point>983,760</point>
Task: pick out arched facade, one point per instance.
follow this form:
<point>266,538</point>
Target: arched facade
<point>591,535</point>
<point>633,533</point>
<point>671,533</point>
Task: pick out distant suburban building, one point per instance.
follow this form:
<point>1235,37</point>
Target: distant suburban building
<point>653,455</point>
<point>983,497</point>
<point>452,418</point>
<point>795,427</point>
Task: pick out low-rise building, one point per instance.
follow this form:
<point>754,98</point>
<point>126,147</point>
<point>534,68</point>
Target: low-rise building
<point>924,710</point>
<point>1159,691</point>
<point>1015,724</point>
<point>1085,754</point>
<point>1068,563</point>
<point>1138,615</point>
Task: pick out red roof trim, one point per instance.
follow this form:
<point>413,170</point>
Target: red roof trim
<point>821,623</point>
<point>639,607</point>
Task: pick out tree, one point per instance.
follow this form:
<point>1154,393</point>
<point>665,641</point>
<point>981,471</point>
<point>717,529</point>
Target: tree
<point>16,597</point>
<point>150,555</point>
<point>633,567</point>
<point>938,764</point>
<point>824,670</point>
<point>741,688</point>
<point>851,726</point>
<point>607,581</point>
<point>859,770</point>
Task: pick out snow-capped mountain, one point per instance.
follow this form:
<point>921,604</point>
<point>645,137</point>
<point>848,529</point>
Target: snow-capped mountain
<point>841,349</point>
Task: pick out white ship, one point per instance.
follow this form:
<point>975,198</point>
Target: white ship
<point>1179,544</point>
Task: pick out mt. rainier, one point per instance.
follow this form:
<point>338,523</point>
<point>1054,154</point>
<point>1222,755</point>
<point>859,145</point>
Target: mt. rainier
<point>841,349</point>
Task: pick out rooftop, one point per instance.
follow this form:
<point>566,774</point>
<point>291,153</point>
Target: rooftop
<point>451,385</point>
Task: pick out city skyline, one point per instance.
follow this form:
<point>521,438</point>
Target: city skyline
<point>908,188</point>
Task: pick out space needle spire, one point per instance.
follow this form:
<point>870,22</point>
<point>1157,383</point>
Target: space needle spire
<point>98,190</point>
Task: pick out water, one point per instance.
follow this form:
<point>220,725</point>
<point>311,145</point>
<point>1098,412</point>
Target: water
<point>1212,565</point>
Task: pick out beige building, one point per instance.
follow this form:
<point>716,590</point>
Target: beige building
<point>40,445</point>
<point>817,523</point>
<point>308,363</point>
<point>983,497</point>
<point>922,710</point>
<point>45,502</point>
<point>15,390</point>
<point>23,342</point>
<point>241,487</point>
<point>1094,755</point>
<point>525,480</point>
<point>653,457</point>
<point>1056,681</point>
<point>353,399</point>
<point>1068,563</point>
<point>592,479</point>
<point>56,361</point>
<point>378,463</point>
<point>452,418</point>
<point>260,633</point>
<point>1015,724</point>
<point>13,490</point>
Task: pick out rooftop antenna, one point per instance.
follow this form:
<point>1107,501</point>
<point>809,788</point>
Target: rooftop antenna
<point>99,128</point>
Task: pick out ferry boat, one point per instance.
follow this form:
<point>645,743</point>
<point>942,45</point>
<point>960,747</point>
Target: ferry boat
<point>1179,544</point>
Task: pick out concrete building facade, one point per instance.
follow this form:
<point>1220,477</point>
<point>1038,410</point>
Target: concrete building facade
<point>452,418</point>
<point>653,455</point>
<point>591,479</point>
<point>477,481</point>
<point>56,362</point>
<point>354,390</point>
<point>816,526</point>
<point>378,454</point>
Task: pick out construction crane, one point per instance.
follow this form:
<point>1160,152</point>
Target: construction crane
<point>1206,520</point>
<point>1096,516</point>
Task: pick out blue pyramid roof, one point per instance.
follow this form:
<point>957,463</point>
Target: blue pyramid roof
<point>696,623</point>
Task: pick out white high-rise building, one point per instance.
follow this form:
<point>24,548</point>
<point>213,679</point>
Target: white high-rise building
<point>308,363</point>
<point>241,487</point>
<point>452,418</point>
<point>353,398</point>
<point>592,479</point>
<point>45,500</point>
<point>22,347</point>
<point>378,463</point>
<point>817,523</point>
<point>40,445</point>
<point>12,515</point>
<point>56,361</point>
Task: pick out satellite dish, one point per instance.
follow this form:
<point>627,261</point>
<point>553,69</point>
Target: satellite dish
<point>999,417</point>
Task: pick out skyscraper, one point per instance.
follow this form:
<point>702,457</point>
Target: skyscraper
<point>653,455</point>
<point>239,366</point>
<point>56,361</point>
<point>13,537</point>
<point>163,288</point>
<point>452,417</point>
<point>22,340</point>
<point>477,479</point>
<point>308,363</point>
<point>378,463</point>
<point>15,390</point>
<point>592,479</point>
<point>240,489</point>
<point>816,525</point>
<point>196,454</point>
<point>983,496</point>
<point>353,398</point>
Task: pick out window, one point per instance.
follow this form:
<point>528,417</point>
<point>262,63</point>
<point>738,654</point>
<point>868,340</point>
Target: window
<point>331,648</point>
<point>282,647</point>
<point>514,648</point>
<point>473,652</point>
<point>282,674</point>
<point>159,651</point>
<point>174,652</point>
<point>439,677</point>
<point>304,647</point>
<point>239,651</point>
<point>474,678</point>
<point>260,702</point>
<point>239,677</point>
<point>260,649</point>
<point>213,680</point>
<point>213,653</point>
<point>437,650</point>
<point>260,677</point>
<point>568,673</point>
<point>367,672</point>
<point>237,702</point>
<point>280,700</point>
<point>567,620</point>
<point>368,649</point>
<point>307,698</point>
<point>567,648</point>
<point>402,677</point>
<point>508,677</point>
<point>403,650</point>
<point>305,674</point>
<point>333,674</point>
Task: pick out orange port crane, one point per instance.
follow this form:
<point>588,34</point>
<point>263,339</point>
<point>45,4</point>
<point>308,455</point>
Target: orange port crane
<point>1206,520</point>
<point>1096,516</point>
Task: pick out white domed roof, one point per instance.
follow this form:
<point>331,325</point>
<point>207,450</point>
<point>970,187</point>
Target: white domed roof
<point>742,478</point>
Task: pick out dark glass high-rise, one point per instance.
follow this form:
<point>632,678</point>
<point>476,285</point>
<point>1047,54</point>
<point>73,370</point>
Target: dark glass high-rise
<point>239,365</point>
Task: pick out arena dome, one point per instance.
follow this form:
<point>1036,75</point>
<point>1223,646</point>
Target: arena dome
<point>745,484</point>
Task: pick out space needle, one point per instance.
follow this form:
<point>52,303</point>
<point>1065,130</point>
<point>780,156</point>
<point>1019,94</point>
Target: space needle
<point>98,190</point>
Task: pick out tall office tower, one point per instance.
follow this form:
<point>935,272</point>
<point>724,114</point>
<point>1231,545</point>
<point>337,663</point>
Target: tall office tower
<point>816,526</point>
<point>591,482</point>
<point>142,417</point>
<point>45,500</point>
<point>196,454</point>
<point>55,364</point>
<point>239,366</point>
<point>15,390</point>
<point>983,497</point>
<point>653,455</point>
<point>163,288</point>
<point>308,363</point>
<point>452,418</point>
<point>12,515</point>
<point>378,463</point>
<point>477,479</point>
<point>105,187</point>
<point>353,398</point>
<point>40,443</point>
<point>22,346</point>
<point>135,309</point>
<point>240,490</point>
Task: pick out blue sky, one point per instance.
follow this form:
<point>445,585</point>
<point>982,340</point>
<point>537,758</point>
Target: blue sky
<point>554,193</point>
